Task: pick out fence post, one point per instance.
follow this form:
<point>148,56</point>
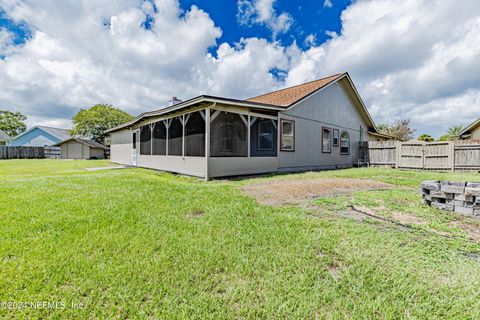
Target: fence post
<point>398,150</point>
<point>452,153</point>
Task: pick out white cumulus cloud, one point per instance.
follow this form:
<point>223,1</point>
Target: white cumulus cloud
<point>262,12</point>
<point>414,58</point>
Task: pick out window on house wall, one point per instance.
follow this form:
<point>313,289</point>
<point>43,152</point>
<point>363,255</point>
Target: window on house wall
<point>145,140</point>
<point>195,134</point>
<point>336,137</point>
<point>159,140</point>
<point>228,135</point>
<point>326,140</point>
<point>175,135</point>
<point>287,142</point>
<point>265,131</point>
<point>345,143</point>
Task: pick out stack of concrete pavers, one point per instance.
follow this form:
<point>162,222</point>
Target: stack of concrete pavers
<point>461,197</point>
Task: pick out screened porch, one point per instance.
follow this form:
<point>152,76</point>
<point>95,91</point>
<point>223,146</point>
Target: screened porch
<point>230,135</point>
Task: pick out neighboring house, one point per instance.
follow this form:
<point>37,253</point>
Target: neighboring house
<point>316,125</point>
<point>40,136</point>
<point>4,138</point>
<point>472,131</point>
<point>77,148</point>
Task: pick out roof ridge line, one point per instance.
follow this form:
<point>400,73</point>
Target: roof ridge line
<point>298,85</point>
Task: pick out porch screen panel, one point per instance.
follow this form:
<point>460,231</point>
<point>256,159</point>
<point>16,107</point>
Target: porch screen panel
<point>228,136</point>
<point>145,140</point>
<point>195,135</point>
<point>175,132</point>
<point>263,137</point>
<point>159,140</point>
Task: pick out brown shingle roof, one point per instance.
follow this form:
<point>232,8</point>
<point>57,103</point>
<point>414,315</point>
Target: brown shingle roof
<point>288,96</point>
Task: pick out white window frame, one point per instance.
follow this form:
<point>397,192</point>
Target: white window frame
<point>282,135</point>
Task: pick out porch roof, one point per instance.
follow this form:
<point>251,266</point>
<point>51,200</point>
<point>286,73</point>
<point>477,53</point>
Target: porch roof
<point>198,100</point>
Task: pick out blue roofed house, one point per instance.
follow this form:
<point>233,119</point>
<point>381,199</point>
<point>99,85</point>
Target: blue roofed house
<point>40,136</point>
<point>4,138</point>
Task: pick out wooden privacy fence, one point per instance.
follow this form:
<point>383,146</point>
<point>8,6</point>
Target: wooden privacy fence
<point>441,155</point>
<point>7,152</point>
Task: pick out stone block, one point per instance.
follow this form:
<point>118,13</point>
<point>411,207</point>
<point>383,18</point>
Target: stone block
<point>456,203</point>
<point>443,206</point>
<point>473,184</point>
<point>431,185</point>
<point>463,197</point>
<point>476,212</point>
<point>470,191</point>
<point>452,186</point>
<point>464,211</point>
<point>441,194</point>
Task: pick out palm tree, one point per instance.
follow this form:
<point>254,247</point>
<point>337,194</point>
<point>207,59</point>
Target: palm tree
<point>453,132</point>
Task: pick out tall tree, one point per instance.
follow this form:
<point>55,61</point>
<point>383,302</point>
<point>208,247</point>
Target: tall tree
<point>400,130</point>
<point>93,122</point>
<point>425,137</point>
<point>12,123</point>
<point>452,133</point>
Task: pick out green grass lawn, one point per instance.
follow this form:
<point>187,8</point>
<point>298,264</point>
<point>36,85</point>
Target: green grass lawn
<point>136,243</point>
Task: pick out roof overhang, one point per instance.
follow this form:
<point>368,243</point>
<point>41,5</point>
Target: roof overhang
<point>470,127</point>
<point>382,135</point>
<point>204,99</point>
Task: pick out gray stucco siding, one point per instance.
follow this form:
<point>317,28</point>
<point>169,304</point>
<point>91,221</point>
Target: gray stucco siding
<point>121,146</point>
<point>332,107</point>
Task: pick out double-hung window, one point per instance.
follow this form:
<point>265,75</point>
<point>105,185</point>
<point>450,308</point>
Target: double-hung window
<point>287,142</point>
<point>326,140</point>
<point>345,143</point>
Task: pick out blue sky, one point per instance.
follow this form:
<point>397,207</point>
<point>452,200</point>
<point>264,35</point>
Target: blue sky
<point>309,17</point>
<point>415,59</point>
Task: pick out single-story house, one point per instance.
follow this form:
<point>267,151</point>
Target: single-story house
<point>79,148</point>
<point>471,132</point>
<point>316,125</point>
<point>4,138</point>
<point>40,136</point>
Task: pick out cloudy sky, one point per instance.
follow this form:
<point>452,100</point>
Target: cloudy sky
<point>417,59</point>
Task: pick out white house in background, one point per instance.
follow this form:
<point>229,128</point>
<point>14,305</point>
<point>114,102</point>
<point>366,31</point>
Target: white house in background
<point>4,138</point>
<point>472,131</point>
<point>40,136</point>
<point>316,125</point>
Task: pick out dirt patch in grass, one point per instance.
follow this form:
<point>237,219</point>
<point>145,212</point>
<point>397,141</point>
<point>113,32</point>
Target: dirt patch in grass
<point>280,192</point>
<point>472,230</point>
<point>408,219</point>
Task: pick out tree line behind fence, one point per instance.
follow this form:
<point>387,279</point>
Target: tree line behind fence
<point>441,155</point>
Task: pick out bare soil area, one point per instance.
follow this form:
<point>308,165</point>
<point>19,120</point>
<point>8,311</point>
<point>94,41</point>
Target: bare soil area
<point>294,191</point>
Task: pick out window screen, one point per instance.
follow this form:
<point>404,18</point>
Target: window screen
<point>175,133</point>
<point>134,140</point>
<point>195,135</point>
<point>288,135</point>
<point>159,139</point>
<point>228,135</point>
<point>345,143</point>
<point>326,140</point>
<point>265,135</point>
<point>336,137</point>
<point>145,140</point>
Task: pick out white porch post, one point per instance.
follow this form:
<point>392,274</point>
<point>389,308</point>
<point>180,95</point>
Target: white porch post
<point>207,142</point>
<point>248,135</point>
<point>183,135</point>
